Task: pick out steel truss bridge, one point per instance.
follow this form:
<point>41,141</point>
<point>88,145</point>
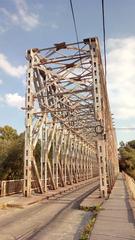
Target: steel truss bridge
<point>68,112</point>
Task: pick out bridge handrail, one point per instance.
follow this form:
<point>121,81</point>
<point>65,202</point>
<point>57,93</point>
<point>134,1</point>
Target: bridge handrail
<point>130,182</point>
<point>14,186</point>
<point>9,187</point>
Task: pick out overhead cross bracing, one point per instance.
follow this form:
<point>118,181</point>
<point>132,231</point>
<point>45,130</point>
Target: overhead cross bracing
<point>67,108</point>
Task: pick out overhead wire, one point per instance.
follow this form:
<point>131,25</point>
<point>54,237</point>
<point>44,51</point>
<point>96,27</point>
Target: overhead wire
<point>74,20</point>
<point>105,58</point>
<point>104,36</point>
<point>125,128</point>
<point>75,28</point>
<point>104,41</point>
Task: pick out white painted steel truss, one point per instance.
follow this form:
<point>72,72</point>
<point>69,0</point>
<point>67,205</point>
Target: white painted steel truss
<point>67,108</point>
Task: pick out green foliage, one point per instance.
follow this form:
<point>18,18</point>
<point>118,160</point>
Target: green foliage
<point>37,155</point>
<point>4,148</point>
<point>12,153</point>
<point>8,133</point>
<point>93,208</point>
<point>127,158</point>
<point>132,144</point>
<point>12,166</point>
<point>88,228</point>
<point>122,144</point>
<point>7,136</point>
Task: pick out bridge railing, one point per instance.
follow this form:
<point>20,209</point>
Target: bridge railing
<point>10,187</point>
<point>130,182</point>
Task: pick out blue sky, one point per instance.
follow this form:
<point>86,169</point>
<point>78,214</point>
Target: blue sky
<point>26,24</point>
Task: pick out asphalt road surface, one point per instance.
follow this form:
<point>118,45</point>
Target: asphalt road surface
<point>58,218</point>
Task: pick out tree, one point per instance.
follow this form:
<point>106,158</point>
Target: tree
<point>12,166</point>
<point>12,156</point>
<point>132,144</point>
<point>122,144</point>
<point>127,158</point>
<point>8,133</point>
<point>7,136</point>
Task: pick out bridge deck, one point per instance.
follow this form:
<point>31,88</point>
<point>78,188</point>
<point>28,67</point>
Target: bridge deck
<point>116,220</point>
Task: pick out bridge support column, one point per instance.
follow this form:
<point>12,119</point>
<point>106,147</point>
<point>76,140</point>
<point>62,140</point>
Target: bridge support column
<point>28,152</point>
<point>102,167</point>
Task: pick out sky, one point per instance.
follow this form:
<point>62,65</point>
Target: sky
<point>28,24</point>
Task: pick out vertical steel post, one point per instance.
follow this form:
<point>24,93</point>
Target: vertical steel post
<point>101,145</point>
<point>29,103</point>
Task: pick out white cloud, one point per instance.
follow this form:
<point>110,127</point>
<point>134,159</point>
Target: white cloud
<point>1,82</point>
<point>11,70</point>
<point>23,17</point>
<point>1,99</point>
<point>27,19</point>
<point>14,100</point>
<point>121,76</point>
